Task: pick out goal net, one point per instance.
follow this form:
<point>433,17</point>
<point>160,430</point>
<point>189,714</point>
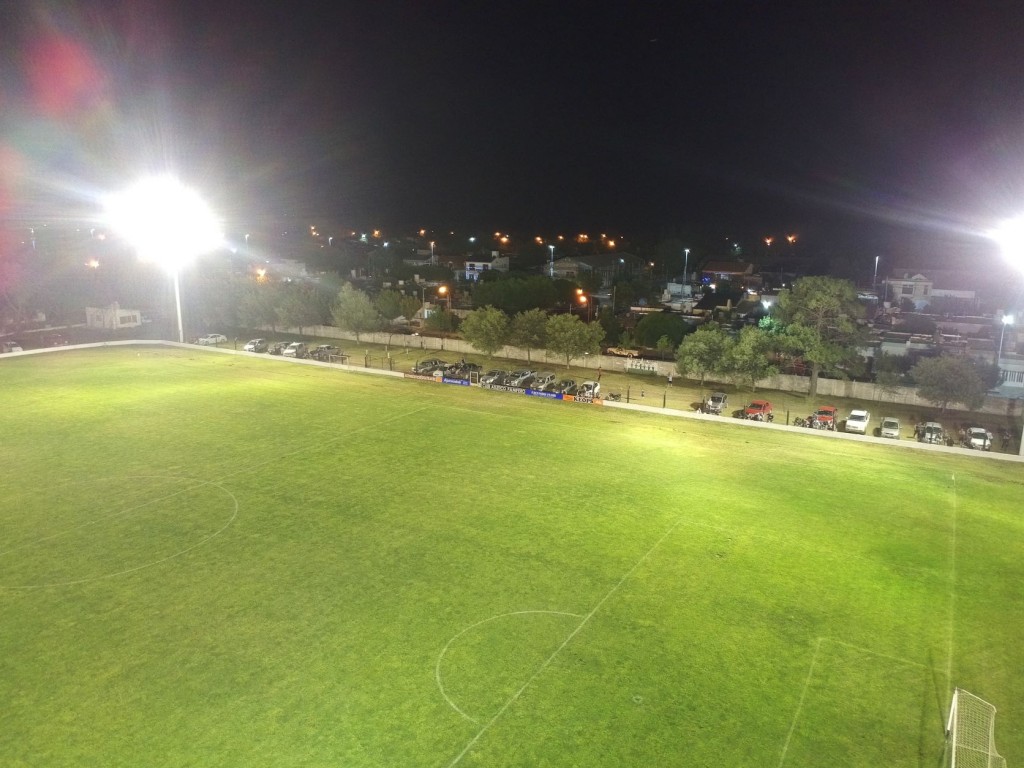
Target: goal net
<point>971,732</point>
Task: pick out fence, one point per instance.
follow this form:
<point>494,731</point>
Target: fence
<point>405,344</point>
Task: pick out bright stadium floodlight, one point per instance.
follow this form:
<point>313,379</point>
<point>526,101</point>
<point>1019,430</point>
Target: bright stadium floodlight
<point>167,223</point>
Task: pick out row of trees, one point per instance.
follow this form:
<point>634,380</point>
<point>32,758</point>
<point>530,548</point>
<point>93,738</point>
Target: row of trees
<point>818,321</point>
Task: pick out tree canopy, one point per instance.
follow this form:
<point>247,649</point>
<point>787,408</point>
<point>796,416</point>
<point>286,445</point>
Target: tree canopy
<point>819,317</point>
<point>487,329</point>
<point>569,336</point>
<point>529,330</point>
<point>353,311</point>
<point>947,379</point>
<point>705,352</point>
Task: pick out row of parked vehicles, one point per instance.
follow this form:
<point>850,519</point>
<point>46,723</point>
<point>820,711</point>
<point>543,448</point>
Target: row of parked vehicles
<point>296,349</point>
<point>525,378</point>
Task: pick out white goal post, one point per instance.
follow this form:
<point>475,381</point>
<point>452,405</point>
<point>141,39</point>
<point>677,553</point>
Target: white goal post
<point>971,732</point>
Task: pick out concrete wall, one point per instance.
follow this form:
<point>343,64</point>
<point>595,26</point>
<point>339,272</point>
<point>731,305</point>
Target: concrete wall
<point>827,388</point>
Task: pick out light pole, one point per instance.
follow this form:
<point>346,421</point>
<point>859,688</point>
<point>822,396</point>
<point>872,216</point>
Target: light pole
<point>874,279</point>
<point>166,222</point>
<point>686,266</point>
<point>432,257</point>
<point>1007,320</point>
<point>447,294</point>
<point>551,248</point>
<point>1010,237</point>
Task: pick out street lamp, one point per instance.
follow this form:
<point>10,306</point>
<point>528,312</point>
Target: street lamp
<point>584,302</point>
<point>686,266</point>
<point>552,249</point>
<point>166,222</point>
<point>432,257</point>
<point>447,294</point>
<point>874,278</point>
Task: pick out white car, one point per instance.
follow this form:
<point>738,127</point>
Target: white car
<point>857,422</point>
<point>589,389</point>
<point>978,437</point>
<point>212,339</point>
<point>890,427</point>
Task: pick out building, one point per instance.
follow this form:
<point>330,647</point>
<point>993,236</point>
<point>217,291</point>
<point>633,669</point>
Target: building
<point>112,318</point>
<point>475,266</point>
<point>940,287</point>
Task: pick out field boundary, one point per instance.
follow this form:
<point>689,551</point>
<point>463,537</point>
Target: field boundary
<point>655,410</point>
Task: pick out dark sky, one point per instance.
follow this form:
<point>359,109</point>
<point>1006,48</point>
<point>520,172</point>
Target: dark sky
<point>879,128</point>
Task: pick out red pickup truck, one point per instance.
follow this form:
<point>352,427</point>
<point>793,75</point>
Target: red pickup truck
<point>758,410</point>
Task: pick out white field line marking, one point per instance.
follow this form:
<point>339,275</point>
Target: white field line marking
<point>586,619</point>
<point>810,674</point>
<point>114,515</point>
<point>952,589</point>
<point>881,655</point>
<point>213,535</point>
<point>440,656</point>
<point>800,703</point>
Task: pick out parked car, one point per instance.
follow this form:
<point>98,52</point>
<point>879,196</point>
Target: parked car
<point>931,432</point>
<point>493,376</point>
<point>277,348</point>
<point>589,389</point>
<point>857,422</point>
<point>256,345</point>
<point>979,438</point>
<point>758,410</point>
<point>296,349</point>
<point>521,378</point>
<point>324,352</point>
<point>542,379</point>
<point>427,367</point>
<point>10,346</point>
<point>716,403</point>
<point>212,339</point>
<point>54,340</point>
<point>566,387</point>
<point>890,427</point>
<point>622,352</point>
<point>824,417</point>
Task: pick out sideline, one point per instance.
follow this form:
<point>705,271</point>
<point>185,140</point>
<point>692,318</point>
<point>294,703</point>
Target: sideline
<point>652,409</point>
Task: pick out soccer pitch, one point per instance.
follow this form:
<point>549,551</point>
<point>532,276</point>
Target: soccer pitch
<point>211,559</point>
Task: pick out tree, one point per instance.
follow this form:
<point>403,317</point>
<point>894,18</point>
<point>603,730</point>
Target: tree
<point>441,321</point>
<point>389,304</point>
<point>516,294</point>
<point>704,352</point>
<point>665,347</point>
<point>653,326</point>
<point>487,329</point>
<point>948,379</point>
<point>297,309</point>
<point>568,335</point>
<point>749,359</point>
<point>353,311</point>
<point>820,317</point>
<point>529,330</point>
<point>256,307</point>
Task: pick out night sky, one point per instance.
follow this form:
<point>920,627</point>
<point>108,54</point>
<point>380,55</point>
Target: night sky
<point>890,128</point>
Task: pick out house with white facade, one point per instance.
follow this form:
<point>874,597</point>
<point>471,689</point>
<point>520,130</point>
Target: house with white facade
<point>112,318</point>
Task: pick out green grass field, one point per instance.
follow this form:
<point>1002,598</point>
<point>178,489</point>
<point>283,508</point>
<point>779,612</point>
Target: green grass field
<point>218,560</point>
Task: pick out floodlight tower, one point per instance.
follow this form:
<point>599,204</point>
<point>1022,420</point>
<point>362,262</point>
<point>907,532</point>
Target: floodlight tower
<point>166,222</point>
<point>1010,237</point>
